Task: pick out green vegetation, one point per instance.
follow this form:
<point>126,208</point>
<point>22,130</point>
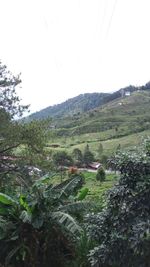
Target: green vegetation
<point>83,103</point>
<point>73,106</point>
<point>88,156</point>
<point>97,191</point>
<point>53,212</point>
<point>38,224</point>
<point>122,122</point>
<point>124,224</point>
<point>101,176</point>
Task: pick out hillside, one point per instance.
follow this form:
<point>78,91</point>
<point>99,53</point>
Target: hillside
<point>78,104</point>
<point>83,103</point>
<point>120,118</point>
<point>124,115</point>
<point>120,121</point>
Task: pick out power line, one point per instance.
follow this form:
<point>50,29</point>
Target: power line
<point>103,18</point>
<point>111,18</point>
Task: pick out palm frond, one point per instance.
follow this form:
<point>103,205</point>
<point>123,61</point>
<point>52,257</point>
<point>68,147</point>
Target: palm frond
<point>44,180</point>
<point>25,216</point>
<point>67,222</point>
<point>76,207</point>
<point>71,186</point>
<point>11,254</point>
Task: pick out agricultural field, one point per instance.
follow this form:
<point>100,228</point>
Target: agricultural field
<point>96,190</point>
<point>122,122</point>
<point>110,145</point>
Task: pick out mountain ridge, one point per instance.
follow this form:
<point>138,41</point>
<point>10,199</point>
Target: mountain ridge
<point>83,103</point>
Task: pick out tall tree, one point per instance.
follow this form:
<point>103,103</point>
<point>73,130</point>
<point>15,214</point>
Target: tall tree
<point>77,157</point>
<point>61,159</point>
<point>100,150</point>
<point>13,133</point>
<point>88,156</point>
<point>9,101</point>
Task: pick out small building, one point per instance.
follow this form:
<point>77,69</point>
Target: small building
<point>127,93</point>
<point>94,165</point>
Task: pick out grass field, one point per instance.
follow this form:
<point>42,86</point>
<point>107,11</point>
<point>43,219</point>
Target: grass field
<point>109,145</point>
<point>97,190</point>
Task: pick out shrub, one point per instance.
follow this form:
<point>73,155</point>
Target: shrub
<point>101,176</point>
<point>83,193</point>
<point>124,224</point>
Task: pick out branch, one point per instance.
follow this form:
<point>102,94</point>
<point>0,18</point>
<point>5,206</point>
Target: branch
<point>9,148</point>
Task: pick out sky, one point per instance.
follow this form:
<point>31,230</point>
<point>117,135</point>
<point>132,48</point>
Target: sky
<point>65,48</point>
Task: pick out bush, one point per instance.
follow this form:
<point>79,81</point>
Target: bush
<point>101,176</point>
<point>124,224</point>
<point>82,194</point>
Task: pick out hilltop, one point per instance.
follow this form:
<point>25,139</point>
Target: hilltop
<point>81,103</point>
<point>78,104</point>
<point>125,115</point>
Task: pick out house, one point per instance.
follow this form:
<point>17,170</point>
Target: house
<point>94,165</point>
<point>127,93</point>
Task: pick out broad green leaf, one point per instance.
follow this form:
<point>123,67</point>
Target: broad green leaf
<point>44,179</point>
<point>76,207</point>
<point>23,203</point>
<point>5,199</point>
<point>67,221</point>
<point>25,216</point>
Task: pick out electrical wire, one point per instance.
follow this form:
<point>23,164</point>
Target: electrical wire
<point>103,17</point>
<point>111,18</point>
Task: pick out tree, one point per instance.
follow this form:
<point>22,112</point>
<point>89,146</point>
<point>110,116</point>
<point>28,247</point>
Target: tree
<point>88,156</point>
<point>100,150</point>
<point>9,101</point>
<point>124,224</point>
<point>104,160</point>
<point>30,137</point>
<point>77,157</point>
<point>61,159</point>
<point>100,175</point>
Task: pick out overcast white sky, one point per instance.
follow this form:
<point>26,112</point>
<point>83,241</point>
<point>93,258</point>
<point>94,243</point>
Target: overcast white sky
<point>67,47</point>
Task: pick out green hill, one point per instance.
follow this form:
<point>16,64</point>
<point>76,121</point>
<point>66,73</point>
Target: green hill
<point>76,105</point>
<point>120,118</point>
<point>83,103</point>
<point>124,115</point>
<point>117,122</point>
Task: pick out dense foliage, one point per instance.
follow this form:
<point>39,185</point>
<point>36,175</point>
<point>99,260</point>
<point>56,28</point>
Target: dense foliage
<point>122,230</point>
<point>88,156</point>
<point>37,227</point>
<point>20,144</point>
<point>101,175</point>
<point>41,223</point>
<point>9,101</point>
